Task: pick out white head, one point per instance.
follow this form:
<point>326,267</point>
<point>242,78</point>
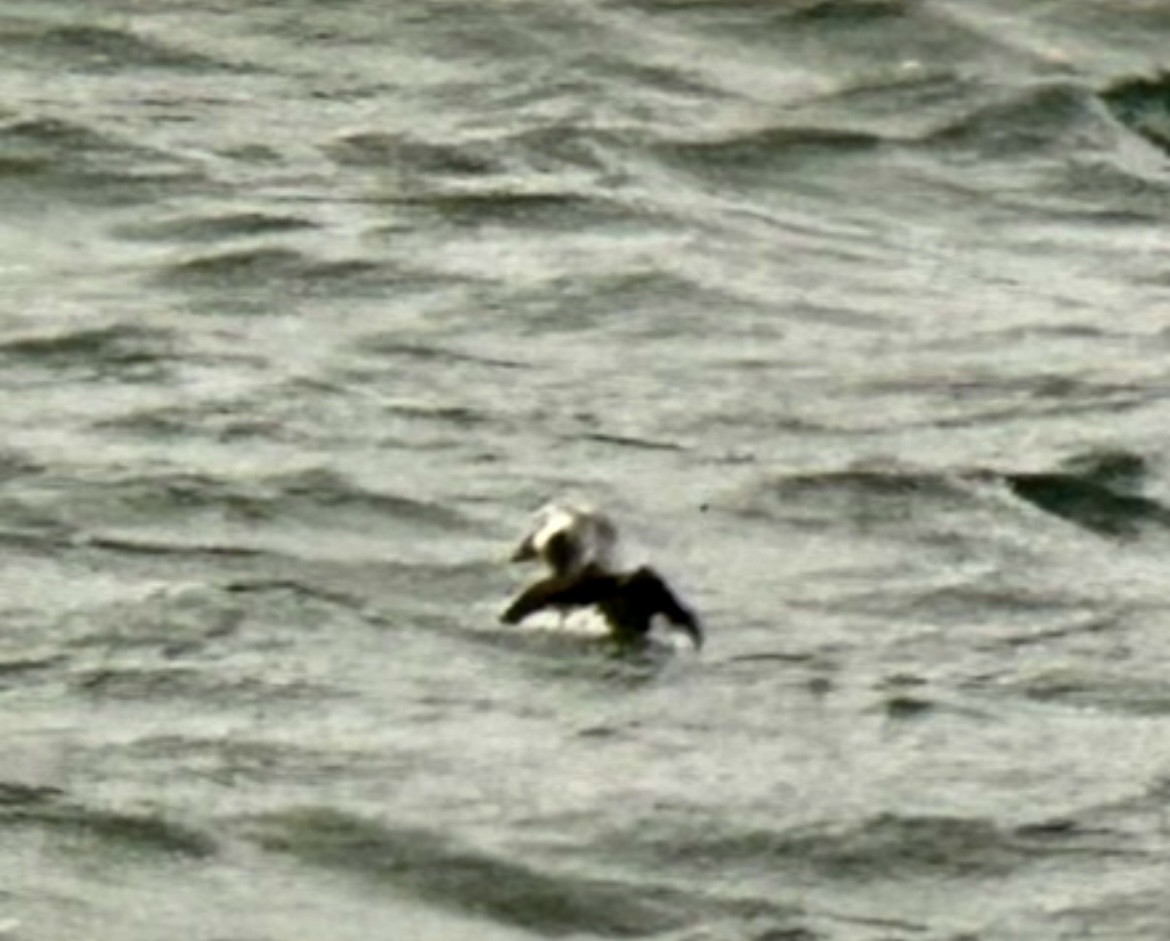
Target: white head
<point>567,538</point>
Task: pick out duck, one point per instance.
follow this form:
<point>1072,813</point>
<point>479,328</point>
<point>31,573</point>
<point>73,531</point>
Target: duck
<point>578,544</point>
<point>628,601</point>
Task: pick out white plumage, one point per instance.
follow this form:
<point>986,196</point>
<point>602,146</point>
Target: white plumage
<point>569,538</point>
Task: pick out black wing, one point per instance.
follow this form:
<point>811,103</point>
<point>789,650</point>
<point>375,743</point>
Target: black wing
<point>659,599</point>
<point>561,592</point>
<point>629,602</point>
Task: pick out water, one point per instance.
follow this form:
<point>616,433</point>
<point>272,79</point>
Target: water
<point>852,313</point>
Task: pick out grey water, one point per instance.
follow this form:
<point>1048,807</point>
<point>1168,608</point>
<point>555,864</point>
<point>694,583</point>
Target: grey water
<point>852,312</point>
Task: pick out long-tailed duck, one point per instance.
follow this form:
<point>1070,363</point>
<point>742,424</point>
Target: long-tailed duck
<point>578,545</point>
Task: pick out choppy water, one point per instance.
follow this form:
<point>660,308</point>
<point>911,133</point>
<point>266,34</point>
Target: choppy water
<point>854,313</point>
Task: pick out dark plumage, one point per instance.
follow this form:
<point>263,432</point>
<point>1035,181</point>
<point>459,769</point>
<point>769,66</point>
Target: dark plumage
<point>628,600</point>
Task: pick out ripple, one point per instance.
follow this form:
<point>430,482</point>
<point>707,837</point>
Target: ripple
<point>442,872</point>
<point>1044,117</point>
<point>765,149</point>
<point>214,228</point>
<point>1094,491</point>
<point>546,210</point>
<point>1143,105</point>
<point>862,494</point>
<point>181,683</point>
<point>117,346</point>
<point>377,149</point>
<point>87,47</point>
<point>884,847</point>
<point>47,809</point>
<point>1098,689</point>
<point>72,159</point>
<point>232,270</point>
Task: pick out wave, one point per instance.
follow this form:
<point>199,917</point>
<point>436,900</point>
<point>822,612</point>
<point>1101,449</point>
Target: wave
<point>440,871</point>
<point>92,48</point>
<point>668,303</point>
<point>117,347</point>
<point>1112,191</point>
<point>860,494</point>
<point>214,228</point>
<point>242,418</point>
<point>283,268</point>
<point>55,137</point>
<point>1095,490</point>
<point>631,441</point>
<point>48,809</point>
<point>901,107</point>
<point>1100,690</point>
<point>376,149</point>
<point>883,847</point>
<point>851,12</point>
<point>202,518</point>
<point>848,12</point>
<point>321,488</point>
<point>76,161</point>
<point>1124,913</point>
<point>548,209</point>
<point>433,596</point>
<point>845,39</point>
<point>982,399</point>
<point>166,632</point>
<point>1143,106</point>
<point>392,345</point>
<point>461,416</point>
<point>925,107</point>
<point>580,651</point>
<point>30,664</point>
<point>137,545</point>
<point>169,684</point>
<point>549,177</point>
<point>252,761</point>
<point>764,149</point>
<point>16,464</point>
<point>545,148</point>
<point>1045,117</point>
<point>150,497</point>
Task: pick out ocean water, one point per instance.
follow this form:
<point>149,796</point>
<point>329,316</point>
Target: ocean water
<point>852,312</point>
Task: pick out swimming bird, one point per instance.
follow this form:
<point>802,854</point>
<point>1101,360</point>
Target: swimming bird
<point>628,601</point>
<point>568,538</point>
<point>579,546</point>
